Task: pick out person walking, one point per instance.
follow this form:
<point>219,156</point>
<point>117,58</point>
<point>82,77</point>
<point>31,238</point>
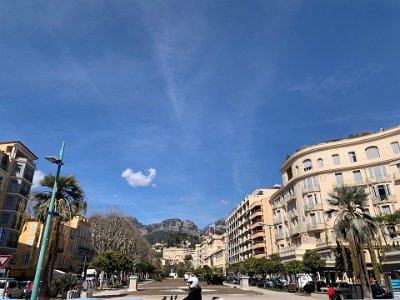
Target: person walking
<point>332,293</point>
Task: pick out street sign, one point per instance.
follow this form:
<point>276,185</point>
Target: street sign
<point>4,260</point>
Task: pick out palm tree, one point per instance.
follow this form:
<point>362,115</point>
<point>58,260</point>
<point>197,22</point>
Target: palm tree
<point>69,202</point>
<point>353,225</point>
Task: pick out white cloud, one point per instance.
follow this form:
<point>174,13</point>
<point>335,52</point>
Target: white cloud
<point>225,202</point>
<point>138,179</point>
<point>37,178</point>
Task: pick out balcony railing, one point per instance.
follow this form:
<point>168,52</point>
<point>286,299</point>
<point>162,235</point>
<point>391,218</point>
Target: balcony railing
<point>314,206</point>
<point>294,231</point>
<point>396,175</point>
<point>277,219</point>
<point>289,197</point>
<point>315,226</point>
<point>277,204</point>
<point>358,182</point>
<point>279,236</point>
<point>384,199</point>
<point>378,179</point>
<point>311,189</point>
<point>287,251</point>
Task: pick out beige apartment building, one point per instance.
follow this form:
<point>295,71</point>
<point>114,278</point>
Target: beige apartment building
<point>370,161</point>
<point>174,255</point>
<point>211,252</point>
<point>262,223</point>
<point>249,227</point>
<point>75,248</point>
<point>17,168</point>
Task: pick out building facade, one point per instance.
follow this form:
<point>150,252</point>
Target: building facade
<point>175,255</point>
<point>262,223</point>
<point>75,248</point>
<point>17,168</point>
<point>248,227</point>
<point>368,160</point>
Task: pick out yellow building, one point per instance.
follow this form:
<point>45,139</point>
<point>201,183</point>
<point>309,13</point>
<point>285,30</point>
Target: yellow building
<point>214,251</point>
<point>247,227</point>
<point>16,174</point>
<point>75,247</point>
<point>262,223</point>
<point>175,255</point>
<point>370,161</point>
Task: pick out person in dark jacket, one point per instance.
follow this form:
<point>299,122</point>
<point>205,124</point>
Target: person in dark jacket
<point>195,289</point>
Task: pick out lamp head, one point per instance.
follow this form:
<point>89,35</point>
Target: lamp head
<point>54,159</point>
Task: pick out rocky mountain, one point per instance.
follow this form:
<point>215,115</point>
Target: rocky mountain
<point>220,227</point>
<point>172,231</point>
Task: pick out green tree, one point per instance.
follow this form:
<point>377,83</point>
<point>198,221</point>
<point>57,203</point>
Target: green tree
<point>112,262</point>
<point>355,226</point>
<point>250,265</point>
<point>69,202</point>
<point>312,262</point>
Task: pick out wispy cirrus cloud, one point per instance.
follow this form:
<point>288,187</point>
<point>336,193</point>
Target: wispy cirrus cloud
<point>225,202</point>
<point>340,81</point>
<point>136,179</point>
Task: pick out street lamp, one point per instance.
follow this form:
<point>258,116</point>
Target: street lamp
<point>59,163</point>
<point>270,234</point>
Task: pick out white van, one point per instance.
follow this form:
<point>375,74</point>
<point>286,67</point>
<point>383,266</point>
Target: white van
<point>13,288</point>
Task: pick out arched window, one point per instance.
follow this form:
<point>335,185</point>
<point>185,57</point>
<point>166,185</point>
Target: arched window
<point>320,163</point>
<point>372,152</point>
<point>307,165</point>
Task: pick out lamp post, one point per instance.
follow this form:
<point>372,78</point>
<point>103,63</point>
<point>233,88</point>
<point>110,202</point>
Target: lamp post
<point>59,163</point>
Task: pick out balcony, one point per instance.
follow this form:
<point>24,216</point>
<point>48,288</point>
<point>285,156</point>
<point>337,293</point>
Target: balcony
<point>359,182</point>
<point>278,204</point>
<point>289,198</point>
<point>277,219</point>
<point>384,199</point>
<point>310,189</point>
<point>313,207</point>
<point>379,179</point>
<point>287,251</point>
<point>258,245</point>
<point>257,233</point>
<point>294,231</point>
<point>279,236</point>
<point>315,226</point>
<point>256,213</point>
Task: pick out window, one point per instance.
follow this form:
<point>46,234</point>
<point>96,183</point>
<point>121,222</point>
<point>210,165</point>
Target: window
<point>33,227</point>
<point>398,168</point>
<point>13,186</point>
<point>385,209</point>
<point>310,182</point>
<point>320,163</point>
<point>381,191</point>
<point>378,173</point>
<point>289,173</point>
<point>339,179</point>
<point>336,159</point>
<point>296,170</point>
<point>396,147</point>
<point>30,240</point>
<point>307,165</point>
<point>17,169</point>
<point>5,218</point>
<point>25,259</point>
<point>372,152</point>
<point>357,177</point>
<point>1,183</point>
<point>352,157</point>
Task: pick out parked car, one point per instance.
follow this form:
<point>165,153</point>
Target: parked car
<point>268,283</point>
<point>12,290</point>
<point>379,292</point>
<point>311,286</point>
<point>281,283</point>
<point>341,287</point>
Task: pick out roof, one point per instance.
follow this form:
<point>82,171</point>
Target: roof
<point>22,144</point>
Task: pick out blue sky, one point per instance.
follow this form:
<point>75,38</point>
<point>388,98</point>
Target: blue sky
<point>182,108</point>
